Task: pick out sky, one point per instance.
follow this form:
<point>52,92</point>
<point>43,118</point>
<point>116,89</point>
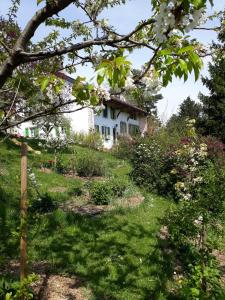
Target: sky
<point>125,18</point>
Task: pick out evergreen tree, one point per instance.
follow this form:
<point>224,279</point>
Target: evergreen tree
<point>213,106</point>
<point>189,109</point>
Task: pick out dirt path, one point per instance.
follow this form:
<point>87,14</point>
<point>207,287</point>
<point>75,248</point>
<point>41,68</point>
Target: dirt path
<point>55,287</point>
<point>50,286</point>
<point>91,209</point>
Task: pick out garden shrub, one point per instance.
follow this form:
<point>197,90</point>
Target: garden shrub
<point>118,186</point>
<point>90,165</point>
<point>101,192</point>
<point>61,166</point>
<point>151,166</point>
<point>104,191</point>
<point>174,170</point>
<point>76,191</point>
<point>43,204</point>
<point>201,189</point>
<point>189,224</point>
<point>215,149</point>
<point>124,147</point>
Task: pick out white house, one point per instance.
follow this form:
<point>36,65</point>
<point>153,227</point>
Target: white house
<point>119,118</point>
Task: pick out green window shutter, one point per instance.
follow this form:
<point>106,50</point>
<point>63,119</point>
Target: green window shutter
<point>26,132</point>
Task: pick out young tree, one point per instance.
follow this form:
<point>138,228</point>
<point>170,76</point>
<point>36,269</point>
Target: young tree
<point>92,40</point>
<point>213,106</point>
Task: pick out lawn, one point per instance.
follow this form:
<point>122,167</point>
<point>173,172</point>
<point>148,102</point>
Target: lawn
<point>117,254</point>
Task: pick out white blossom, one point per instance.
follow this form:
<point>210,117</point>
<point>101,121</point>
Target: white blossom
<point>129,83</point>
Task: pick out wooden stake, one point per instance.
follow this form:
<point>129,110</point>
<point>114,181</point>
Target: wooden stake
<point>23,213</point>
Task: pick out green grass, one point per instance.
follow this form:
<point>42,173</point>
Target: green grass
<point>118,254</point>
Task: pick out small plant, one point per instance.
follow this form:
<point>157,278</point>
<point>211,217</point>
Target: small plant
<point>92,140</point>
<point>191,286</point>
<point>60,166</point>
<point>43,204</point>
<point>101,192</point>
<point>90,165</point>
<point>124,147</point>
<point>12,289</point>
<point>48,164</point>
<point>76,191</point>
<point>118,186</point>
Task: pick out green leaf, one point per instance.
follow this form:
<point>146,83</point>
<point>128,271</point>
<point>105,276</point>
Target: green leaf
<point>183,65</point>
<point>185,77</point>
<point>100,79</point>
<point>189,66</point>
<point>39,1</point>
<point>44,83</point>
<point>196,72</point>
<point>185,49</point>
<point>194,58</point>
<point>165,52</point>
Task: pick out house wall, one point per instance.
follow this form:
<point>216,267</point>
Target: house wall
<point>100,120</point>
<point>82,121</point>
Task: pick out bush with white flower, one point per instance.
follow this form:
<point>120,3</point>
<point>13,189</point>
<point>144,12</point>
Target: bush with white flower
<point>201,189</point>
<point>191,159</point>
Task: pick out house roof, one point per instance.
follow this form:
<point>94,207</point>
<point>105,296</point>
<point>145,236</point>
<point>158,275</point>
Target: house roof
<point>115,101</point>
<point>126,106</point>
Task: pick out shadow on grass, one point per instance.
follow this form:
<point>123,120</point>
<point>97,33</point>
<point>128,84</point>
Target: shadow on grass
<point>118,255</point>
<point>9,222</point>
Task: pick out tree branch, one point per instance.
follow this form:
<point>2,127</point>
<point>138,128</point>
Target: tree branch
<point>15,59</point>
<point>19,55</point>
<point>5,46</point>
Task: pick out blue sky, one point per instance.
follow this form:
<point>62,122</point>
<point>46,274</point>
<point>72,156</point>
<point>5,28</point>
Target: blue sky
<point>124,18</point>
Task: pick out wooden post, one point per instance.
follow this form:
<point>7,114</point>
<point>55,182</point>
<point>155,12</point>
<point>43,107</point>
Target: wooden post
<point>23,213</point>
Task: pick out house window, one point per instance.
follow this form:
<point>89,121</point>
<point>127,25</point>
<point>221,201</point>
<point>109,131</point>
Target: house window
<point>113,113</point>
<point>133,129</point>
<point>34,132</point>
<point>97,128</point>
<point>123,128</point>
<point>133,116</point>
<point>106,132</point>
<point>105,112</point>
<point>63,130</point>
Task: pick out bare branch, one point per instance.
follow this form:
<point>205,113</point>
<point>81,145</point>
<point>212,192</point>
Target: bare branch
<point>12,104</point>
<point>208,28</point>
